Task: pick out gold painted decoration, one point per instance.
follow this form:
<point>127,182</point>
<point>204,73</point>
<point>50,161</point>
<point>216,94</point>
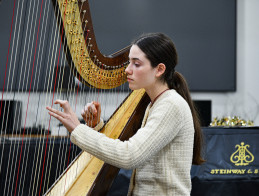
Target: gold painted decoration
<point>242,156</point>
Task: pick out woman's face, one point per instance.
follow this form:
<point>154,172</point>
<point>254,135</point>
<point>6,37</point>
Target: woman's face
<point>140,73</point>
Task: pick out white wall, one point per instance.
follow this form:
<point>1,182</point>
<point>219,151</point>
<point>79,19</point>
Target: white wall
<point>245,101</point>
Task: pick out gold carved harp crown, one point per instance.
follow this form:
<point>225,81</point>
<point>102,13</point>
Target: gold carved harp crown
<point>94,69</point>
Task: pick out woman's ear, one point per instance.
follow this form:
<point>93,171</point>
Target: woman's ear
<point>160,69</point>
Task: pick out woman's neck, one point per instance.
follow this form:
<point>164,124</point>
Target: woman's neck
<point>156,91</point>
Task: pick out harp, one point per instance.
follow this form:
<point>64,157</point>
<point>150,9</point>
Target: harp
<point>85,175</point>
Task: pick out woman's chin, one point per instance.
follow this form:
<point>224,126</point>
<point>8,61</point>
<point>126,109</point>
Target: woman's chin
<point>132,87</point>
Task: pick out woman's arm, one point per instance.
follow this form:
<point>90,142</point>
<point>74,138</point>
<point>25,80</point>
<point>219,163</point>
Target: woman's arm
<point>162,125</point>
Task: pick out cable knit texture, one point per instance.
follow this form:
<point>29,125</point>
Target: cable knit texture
<point>160,152</point>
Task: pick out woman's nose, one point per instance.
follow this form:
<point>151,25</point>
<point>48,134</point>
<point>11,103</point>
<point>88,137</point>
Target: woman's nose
<point>128,70</point>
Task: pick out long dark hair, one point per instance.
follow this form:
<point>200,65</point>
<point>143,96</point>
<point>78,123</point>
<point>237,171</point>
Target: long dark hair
<point>159,48</point>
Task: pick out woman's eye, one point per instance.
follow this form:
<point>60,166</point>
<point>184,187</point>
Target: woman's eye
<point>137,65</point>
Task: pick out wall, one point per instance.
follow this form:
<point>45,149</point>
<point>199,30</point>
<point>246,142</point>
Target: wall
<point>245,101</point>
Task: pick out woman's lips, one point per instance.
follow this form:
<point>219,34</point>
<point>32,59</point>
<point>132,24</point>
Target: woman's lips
<point>129,79</point>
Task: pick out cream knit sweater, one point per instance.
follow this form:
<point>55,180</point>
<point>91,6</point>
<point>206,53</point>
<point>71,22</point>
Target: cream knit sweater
<point>160,152</point>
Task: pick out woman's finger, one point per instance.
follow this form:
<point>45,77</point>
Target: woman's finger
<point>90,118</point>
<point>87,115</point>
<point>59,113</point>
<point>64,104</point>
<point>68,118</point>
<point>97,106</point>
<point>59,101</point>
<point>58,117</point>
<point>89,109</point>
<point>92,109</point>
<point>83,113</point>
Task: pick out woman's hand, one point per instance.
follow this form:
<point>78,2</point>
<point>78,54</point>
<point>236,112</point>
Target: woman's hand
<point>68,117</point>
<point>91,113</point>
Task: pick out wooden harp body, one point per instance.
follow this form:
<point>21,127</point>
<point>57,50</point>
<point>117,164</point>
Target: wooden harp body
<point>88,175</point>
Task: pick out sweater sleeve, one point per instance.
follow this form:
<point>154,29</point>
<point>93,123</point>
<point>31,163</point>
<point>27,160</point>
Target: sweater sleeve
<point>99,125</point>
<point>163,124</point>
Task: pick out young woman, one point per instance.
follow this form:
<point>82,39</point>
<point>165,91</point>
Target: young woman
<point>169,141</point>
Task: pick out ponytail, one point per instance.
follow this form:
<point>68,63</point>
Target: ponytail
<point>180,85</point>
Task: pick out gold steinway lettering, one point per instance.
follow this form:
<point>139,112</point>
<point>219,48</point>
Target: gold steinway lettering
<point>228,171</point>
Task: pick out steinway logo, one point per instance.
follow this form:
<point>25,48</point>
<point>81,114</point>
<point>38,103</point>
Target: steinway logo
<point>242,156</point>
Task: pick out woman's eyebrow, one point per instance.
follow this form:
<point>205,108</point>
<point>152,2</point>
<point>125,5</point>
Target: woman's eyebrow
<point>135,59</point>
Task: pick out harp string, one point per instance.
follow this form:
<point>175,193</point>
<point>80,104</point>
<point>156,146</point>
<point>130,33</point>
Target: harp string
<point>75,109</point>
<point>8,77</point>
<point>11,143</point>
<point>4,109</point>
<point>51,144</point>
<point>61,147</point>
<point>16,113</point>
<point>48,79</point>
<point>74,92</point>
<point>42,173</point>
<point>20,154</point>
<point>71,91</point>
<point>39,61</point>
<point>70,143</point>
<point>9,72</point>
<point>78,83</point>
<point>86,38</point>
